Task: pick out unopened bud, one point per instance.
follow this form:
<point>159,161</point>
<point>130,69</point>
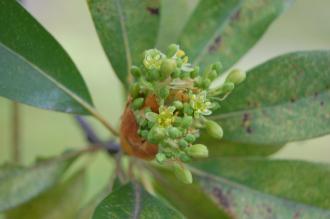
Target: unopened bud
<point>182,173</point>
<point>174,132</point>
<point>172,49</point>
<point>212,75</point>
<point>183,143</point>
<point>217,67</point>
<point>137,103</point>
<point>178,104</point>
<point>186,121</point>
<point>135,90</point>
<point>136,71</point>
<point>164,92</point>
<point>168,66</point>
<point>198,151</point>
<point>213,129</point>
<point>190,138</point>
<point>236,76</point>
<point>156,135</point>
<point>160,157</point>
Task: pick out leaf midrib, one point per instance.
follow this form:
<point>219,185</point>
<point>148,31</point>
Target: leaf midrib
<point>126,41</point>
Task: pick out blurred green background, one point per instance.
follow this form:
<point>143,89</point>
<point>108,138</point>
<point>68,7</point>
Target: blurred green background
<point>304,26</point>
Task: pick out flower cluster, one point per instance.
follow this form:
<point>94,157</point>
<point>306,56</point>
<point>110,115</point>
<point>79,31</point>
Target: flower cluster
<point>171,100</point>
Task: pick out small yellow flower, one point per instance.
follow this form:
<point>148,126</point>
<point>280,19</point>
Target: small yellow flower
<point>200,104</point>
<point>153,59</point>
<point>165,117</point>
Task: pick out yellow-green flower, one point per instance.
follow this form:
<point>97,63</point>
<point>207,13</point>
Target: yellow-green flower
<point>200,104</point>
<point>164,119</point>
<point>153,59</point>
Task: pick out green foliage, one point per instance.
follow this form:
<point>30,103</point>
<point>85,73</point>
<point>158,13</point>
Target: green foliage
<point>132,201</point>
<point>189,199</point>
<point>229,30</point>
<point>20,184</point>
<point>267,189</point>
<point>61,201</point>
<point>125,28</point>
<point>284,99</point>
<point>35,69</point>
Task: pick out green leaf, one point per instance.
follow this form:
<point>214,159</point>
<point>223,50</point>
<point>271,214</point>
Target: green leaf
<point>132,201</point>
<point>35,69</point>
<point>223,148</point>
<point>20,184</point>
<point>282,100</point>
<point>229,30</point>
<point>173,17</point>
<point>189,199</point>
<point>126,28</point>
<point>62,201</point>
<point>260,188</point>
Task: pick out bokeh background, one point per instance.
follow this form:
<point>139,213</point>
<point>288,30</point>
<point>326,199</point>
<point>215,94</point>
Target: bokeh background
<point>305,26</point>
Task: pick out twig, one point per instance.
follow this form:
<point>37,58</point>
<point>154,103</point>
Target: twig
<point>111,146</point>
<point>137,201</point>
<point>16,132</point>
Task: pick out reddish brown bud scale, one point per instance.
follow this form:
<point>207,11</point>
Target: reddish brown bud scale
<point>130,140</point>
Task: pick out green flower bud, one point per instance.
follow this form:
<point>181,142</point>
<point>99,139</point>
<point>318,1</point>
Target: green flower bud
<point>176,73</point>
<point>164,92</point>
<point>198,81</point>
<point>236,76</point>
<point>172,49</point>
<point>217,67</point>
<point>183,143</point>
<point>182,173</point>
<point>177,121</point>
<point>190,138</point>
<point>198,151</point>
<point>136,71</point>
<point>187,109</point>
<point>152,75</point>
<point>185,75</point>
<point>186,121</point>
<point>174,132</point>
<point>167,68</point>
<point>184,157</point>
<point>160,157</point>
<point>156,134</point>
<point>178,104</point>
<point>206,83</point>
<point>151,124</point>
<point>144,134</point>
<point>195,72</point>
<point>135,90</point>
<point>212,75</point>
<point>213,129</point>
<point>137,103</point>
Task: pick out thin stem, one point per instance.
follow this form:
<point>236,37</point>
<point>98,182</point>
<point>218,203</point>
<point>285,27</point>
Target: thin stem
<point>101,119</point>
<point>111,146</point>
<point>16,132</point>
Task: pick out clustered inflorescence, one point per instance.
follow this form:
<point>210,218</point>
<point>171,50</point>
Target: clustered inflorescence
<point>171,100</point>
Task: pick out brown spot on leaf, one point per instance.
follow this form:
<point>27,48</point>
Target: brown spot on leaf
<point>222,198</point>
<point>246,117</point>
<point>316,94</point>
<point>236,15</point>
<point>249,130</point>
<point>322,103</point>
<point>296,215</point>
<point>215,45</point>
<point>292,99</point>
<point>153,11</point>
